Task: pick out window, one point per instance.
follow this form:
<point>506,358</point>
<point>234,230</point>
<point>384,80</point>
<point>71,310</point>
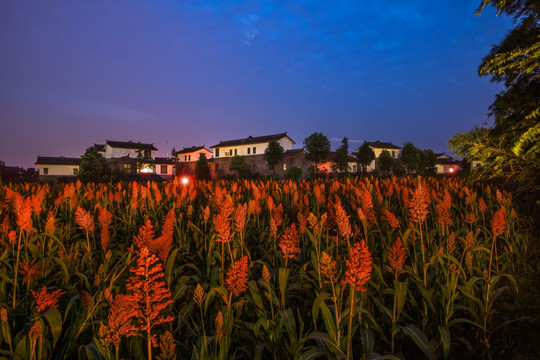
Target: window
<point>189,157</point>
<point>235,152</point>
<point>45,171</point>
<point>129,168</point>
<point>284,166</point>
<point>249,151</point>
<point>75,171</point>
<point>393,154</point>
<point>147,154</point>
<point>185,157</point>
<point>163,169</point>
<point>217,152</point>
<point>254,150</point>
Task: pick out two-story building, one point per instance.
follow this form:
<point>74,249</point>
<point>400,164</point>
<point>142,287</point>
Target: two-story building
<point>252,149</point>
<point>446,164</point>
<point>378,147</point>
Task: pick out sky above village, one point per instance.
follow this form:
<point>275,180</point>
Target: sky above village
<point>183,73</point>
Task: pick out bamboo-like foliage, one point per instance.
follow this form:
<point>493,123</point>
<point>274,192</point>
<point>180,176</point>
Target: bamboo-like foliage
<point>256,269</point>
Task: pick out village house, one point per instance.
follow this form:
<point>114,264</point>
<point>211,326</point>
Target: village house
<point>130,157</point>
<point>53,168</point>
<point>329,166</point>
<point>378,147</point>
<point>252,149</point>
<point>446,164</point>
<point>186,159</point>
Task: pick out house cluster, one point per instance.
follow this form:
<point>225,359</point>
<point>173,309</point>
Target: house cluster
<point>135,158</point>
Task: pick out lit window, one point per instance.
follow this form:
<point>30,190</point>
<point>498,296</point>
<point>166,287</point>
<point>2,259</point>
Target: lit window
<point>163,169</point>
<point>45,171</point>
<point>284,167</point>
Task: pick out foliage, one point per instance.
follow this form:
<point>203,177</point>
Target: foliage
<point>510,149</point>
<point>398,168</point>
<point>273,154</point>
<point>294,173</point>
<point>317,148</point>
<point>240,166</point>
<point>93,167</point>
<point>365,156</point>
<point>341,161</point>
<point>385,161</point>
<point>390,268</point>
<point>202,169</point>
<point>428,159</point>
<point>410,155</point>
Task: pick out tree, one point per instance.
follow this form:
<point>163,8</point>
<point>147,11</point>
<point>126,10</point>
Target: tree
<point>93,167</point>
<point>410,155</point>
<point>240,166</point>
<point>202,170</point>
<point>294,173</point>
<point>273,154</point>
<point>510,149</point>
<point>428,159</point>
<point>317,148</point>
<point>397,167</point>
<point>365,156</point>
<point>385,161</point>
<point>341,162</point>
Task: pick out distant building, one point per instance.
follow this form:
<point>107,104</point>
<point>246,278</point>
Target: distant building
<point>329,165</point>
<point>186,159</point>
<point>446,164</point>
<point>378,147</point>
<point>252,149</point>
<point>57,168</point>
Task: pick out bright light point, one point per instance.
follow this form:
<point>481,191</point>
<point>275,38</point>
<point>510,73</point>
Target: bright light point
<point>185,180</point>
<point>451,170</point>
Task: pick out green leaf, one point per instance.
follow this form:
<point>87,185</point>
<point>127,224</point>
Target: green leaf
<point>313,353</point>
<point>283,277</point>
<point>329,322</point>
<point>54,318</point>
<point>420,340</point>
<point>315,308</point>
<point>445,340</point>
<point>254,291</point>
<point>287,320</point>
<point>324,338</point>
<point>400,294</point>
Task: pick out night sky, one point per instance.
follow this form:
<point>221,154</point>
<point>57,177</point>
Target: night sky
<point>183,73</point>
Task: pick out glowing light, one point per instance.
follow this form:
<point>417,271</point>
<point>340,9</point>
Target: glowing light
<point>185,180</point>
<point>451,170</point>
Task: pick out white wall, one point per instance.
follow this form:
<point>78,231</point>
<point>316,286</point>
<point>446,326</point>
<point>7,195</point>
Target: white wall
<point>260,148</point>
<point>58,170</point>
<point>378,152</point>
<point>111,152</point>
<point>194,155</point>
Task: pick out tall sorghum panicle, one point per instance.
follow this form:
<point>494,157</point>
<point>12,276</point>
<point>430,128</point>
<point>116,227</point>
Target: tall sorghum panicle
<point>290,243</point>
<point>396,257</point>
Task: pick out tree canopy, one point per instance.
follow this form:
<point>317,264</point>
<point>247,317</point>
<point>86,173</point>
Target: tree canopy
<point>341,161</point>
<point>202,169</point>
<point>365,156</point>
<point>385,161</point>
<point>240,166</point>
<point>410,155</point>
<point>273,154</point>
<point>94,167</point>
<point>317,148</point>
<point>510,149</point>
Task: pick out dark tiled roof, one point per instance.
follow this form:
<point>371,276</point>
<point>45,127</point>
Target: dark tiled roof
<point>380,145</point>
<point>444,156</point>
<point>253,140</point>
<point>162,160</point>
<point>190,150</point>
<point>292,153</point>
<point>447,162</point>
<point>57,160</point>
<point>100,147</point>
<point>130,145</point>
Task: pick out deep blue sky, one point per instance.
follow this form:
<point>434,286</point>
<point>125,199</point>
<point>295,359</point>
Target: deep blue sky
<point>183,73</point>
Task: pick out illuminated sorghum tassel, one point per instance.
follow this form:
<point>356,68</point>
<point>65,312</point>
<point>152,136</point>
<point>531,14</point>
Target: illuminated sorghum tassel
<point>290,242</point>
<point>498,223</point>
<point>105,219</point>
<point>45,300</point>
<point>396,257</point>
<point>84,219</point>
<point>237,277</point>
<point>359,266</point>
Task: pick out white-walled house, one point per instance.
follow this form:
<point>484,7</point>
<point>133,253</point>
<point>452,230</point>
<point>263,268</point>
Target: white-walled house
<point>118,149</point>
<point>446,164</point>
<point>192,154</point>
<point>378,147</point>
<point>250,145</point>
<point>52,168</point>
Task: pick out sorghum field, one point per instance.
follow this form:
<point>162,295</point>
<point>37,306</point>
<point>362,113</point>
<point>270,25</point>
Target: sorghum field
<point>243,269</point>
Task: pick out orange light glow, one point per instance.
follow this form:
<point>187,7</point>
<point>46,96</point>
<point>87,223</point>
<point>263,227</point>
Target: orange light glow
<point>451,170</point>
<point>185,180</point>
